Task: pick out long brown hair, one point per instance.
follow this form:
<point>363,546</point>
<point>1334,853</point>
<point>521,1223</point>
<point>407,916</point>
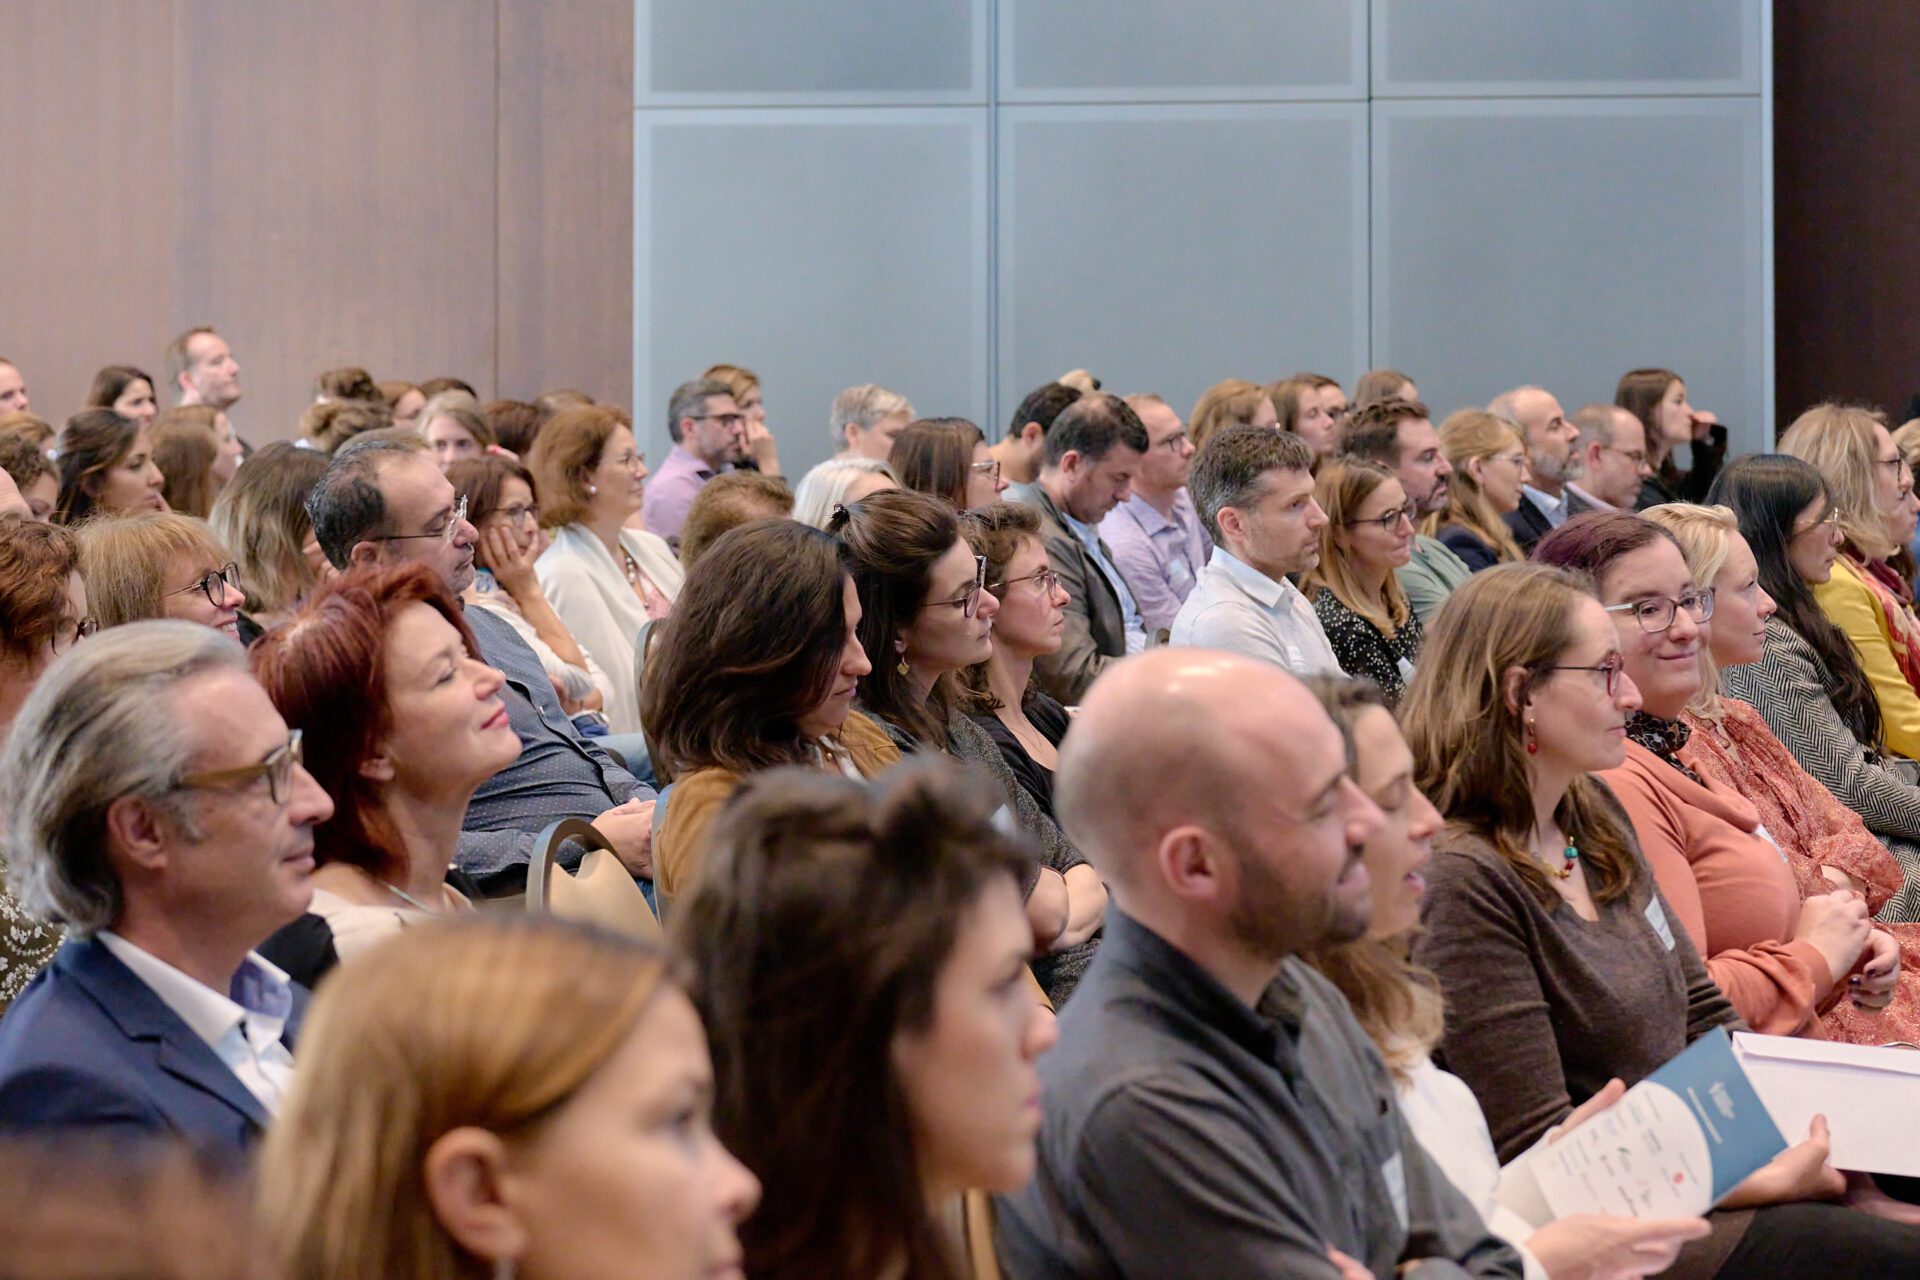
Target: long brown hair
<point>818,931</point>
<point>185,444</point>
<point>1466,740</point>
<point>93,441</point>
<point>997,531</point>
<point>1640,392</point>
<point>1466,435</point>
<point>933,456</point>
<point>1341,488</point>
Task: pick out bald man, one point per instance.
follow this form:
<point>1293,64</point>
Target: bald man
<point>1551,458</point>
<point>1213,1109</point>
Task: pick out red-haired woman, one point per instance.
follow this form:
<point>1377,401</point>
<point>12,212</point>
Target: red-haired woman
<point>402,722</point>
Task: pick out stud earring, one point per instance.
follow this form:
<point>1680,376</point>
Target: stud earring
<point>1533,745</point>
<point>592,490</point>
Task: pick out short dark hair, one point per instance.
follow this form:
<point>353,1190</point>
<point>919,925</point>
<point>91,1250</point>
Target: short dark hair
<point>689,400</point>
<point>515,423</point>
<point>1372,432</point>
<point>348,382</point>
<point>346,505</point>
<point>1228,469</point>
<point>1092,425</point>
<point>434,386</point>
<point>1042,405</point>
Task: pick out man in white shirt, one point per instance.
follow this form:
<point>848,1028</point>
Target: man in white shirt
<point>1254,490</point>
<point>157,808</point>
<point>1550,456</point>
<point>1613,455</point>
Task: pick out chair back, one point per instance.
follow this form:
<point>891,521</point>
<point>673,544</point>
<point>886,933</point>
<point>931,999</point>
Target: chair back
<point>601,892</point>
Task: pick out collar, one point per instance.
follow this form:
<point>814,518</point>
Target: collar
<point>1664,738</point>
<point>1267,591</point>
<point>688,461</point>
<point>1148,517</point>
<point>259,990</point>
<point>1088,534</point>
<point>1544,500</point>
<point>1175,980</point>
<point>1598,504</point>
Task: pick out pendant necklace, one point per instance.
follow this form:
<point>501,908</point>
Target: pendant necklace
<point>1567,859</point>
<point>409,899</point>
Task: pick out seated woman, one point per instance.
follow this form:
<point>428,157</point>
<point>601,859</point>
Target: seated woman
<point>1862,595</point>
<point>43,613</point>
<point>925,617</point>
<point>262,518</point>
<point>1826,844</point>
<point>1808,684</point>
<point>1658,397</point>
<point>882,926</point>
<point>404,401</point>
<point>507,1096</point>
<point>1399,1004</point>
<point>1553,946</point>
<point>106,468</point>
<point>757,667</point>
<point>838,482</point>
<point>456,429</point>
<point>606,580</point>
<point>196,451</point>
<point>32,472</point>
<point>1355,591</point>
<point>1311,406</point>
<point>948,458</point>
<point>1489,463</point>
<point>1780,962</point>
<point>402,721</point>
<point>1230,403</point>
<point>159,564</point>
<point>501,508</point>
<point>125,390</point>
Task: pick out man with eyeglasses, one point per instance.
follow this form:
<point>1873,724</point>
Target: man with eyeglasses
<point>709,435</point>
<point>384,502</point>
<point>1551,457</point>
<point>157,809</point>
<point>1155,536</point>
<point>1613,454</point>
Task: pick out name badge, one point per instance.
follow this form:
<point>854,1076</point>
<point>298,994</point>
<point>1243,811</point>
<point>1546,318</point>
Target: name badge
<point>1394,1172</point>
<point>1760,829</point>
<point>1657,917</point>
<point>1406,670</point>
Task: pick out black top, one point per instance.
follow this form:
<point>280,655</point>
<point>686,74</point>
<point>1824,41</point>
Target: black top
<point>1051,719</point>
<point>1671,484</point>
<point>1474,551</point>
<point>1361,650</point>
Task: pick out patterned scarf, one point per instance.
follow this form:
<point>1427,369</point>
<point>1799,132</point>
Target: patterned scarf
<point>1662,737</point>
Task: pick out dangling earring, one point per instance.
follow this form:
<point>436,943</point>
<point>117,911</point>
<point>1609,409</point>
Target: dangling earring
<point>1533,746</point>
<point>903,668</point>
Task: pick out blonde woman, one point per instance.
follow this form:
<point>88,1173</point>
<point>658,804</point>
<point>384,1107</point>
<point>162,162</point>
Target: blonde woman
<point>262,518</point>
<point>456,429</point>
<point>1354,588</point>
<point>1234,402</point>
<point>1313,407</point>
<point>159,564</point>
<point>1866,599</point>
<point>502,1096</point>
<point>1489,462</point>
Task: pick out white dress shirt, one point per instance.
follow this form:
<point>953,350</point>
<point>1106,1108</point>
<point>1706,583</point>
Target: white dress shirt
<point>1237,608</point>
<point>242,1028</point>
<point>1554,509</point>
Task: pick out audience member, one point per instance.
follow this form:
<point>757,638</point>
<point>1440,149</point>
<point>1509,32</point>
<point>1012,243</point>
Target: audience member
<point>1399,435</point>
<point>1552,461</point>
<point>1213,1108</point>
<point>1366,538</point>
<point>1780,962</point>
<point>727,502</point>
<point>838,482</point>
<point>1553,946</point>
<point>1023,450</point>
<point>30,427</point>
<point>1155,536</point>
<point>762,452</point>
<point>1093,449</point>
<point>1658,398</point>
<point>1863,595</point>
<point>1376,385</point>
<point>606,581</point>
<point>377,487</point>
<point>196,451</point>
<point>514,424</point>
<point>1906,438</point>
<point>709,433</point>
<point>261,518</point>
<point>331,423</point>
<point>503,1096</point>
<point>1253,487</point>
<point>883,925</point>
<point>1399,1004</point>
<point>435,386</point>
<point>1311,406</point>
<point>1808,684</point>
<point>125,390</point>
<point>106,467</point>
<point>404,401</point>
<point>866,419</point>
<point>949,459</point>
<point>561,399</point>
<point>455,429</point>
<point>1489,461</point>
<point>404,721</point>
<point>13,388</point>
<point>348,382</point>
<point>1080,380</point>
<point>1232,403</point>
<point>32,473</point>
<point>159,564</point>
<point>926,616</point>
<point>156,808</point>
<point>758,667</point>
<point>201,369</point>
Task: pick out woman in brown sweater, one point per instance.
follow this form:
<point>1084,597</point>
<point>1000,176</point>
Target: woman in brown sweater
<point>1561,964</point>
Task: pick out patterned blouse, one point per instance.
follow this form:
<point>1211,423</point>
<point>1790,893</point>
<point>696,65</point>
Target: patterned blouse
<point>26,945</point>
<point>1362,650</point>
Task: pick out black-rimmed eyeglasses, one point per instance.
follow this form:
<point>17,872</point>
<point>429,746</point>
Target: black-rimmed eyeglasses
<point>1609,671</point>
<point>971,600</point>
<point>1388,521</point>
<point>217,580</point>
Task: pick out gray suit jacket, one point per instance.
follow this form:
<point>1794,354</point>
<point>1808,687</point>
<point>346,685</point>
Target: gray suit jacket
<point>1096,632</point>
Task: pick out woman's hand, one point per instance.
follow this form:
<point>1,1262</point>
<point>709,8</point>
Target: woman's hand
<point>1593,1246</point>
<point>512,568</point>
<point>1837,926</point>
<point>1801,1172</point>
<point>1879,978</point>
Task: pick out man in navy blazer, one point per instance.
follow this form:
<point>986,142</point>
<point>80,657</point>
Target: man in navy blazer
<point>156,806</point>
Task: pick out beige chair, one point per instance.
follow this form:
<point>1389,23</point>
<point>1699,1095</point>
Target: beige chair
<point>601,892</point>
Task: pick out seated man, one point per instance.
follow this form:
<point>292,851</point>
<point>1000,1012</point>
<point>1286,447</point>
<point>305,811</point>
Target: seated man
<point>1399,435</point>
<point>1551,457</point>
<point>156,807</point>
<point>1093,449</point>
<point>383,502</point>
<point>1155,535</point>
<point>1023,450</point>
<point>1213,1108</point>
<point>1254,490</point>
<point>1613,460</point>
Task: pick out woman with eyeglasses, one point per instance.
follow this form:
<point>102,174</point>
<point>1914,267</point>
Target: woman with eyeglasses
<point>1782,962</point>
<point>948,458</point>
<point>608,581</point>
<point>159,564</point>
<point>401,721</point>
<point>926,616</point>
<point>1355,591</point>
<point>1489,461</point>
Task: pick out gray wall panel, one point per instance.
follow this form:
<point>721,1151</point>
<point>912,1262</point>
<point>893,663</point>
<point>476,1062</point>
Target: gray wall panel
<point>1499,256</point>
<point>860,258</point>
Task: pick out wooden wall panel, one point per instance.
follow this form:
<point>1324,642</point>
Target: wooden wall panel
<point>566,197</point>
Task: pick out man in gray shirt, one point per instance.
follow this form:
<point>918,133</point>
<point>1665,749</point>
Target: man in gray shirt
<point>1213,1109</point>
